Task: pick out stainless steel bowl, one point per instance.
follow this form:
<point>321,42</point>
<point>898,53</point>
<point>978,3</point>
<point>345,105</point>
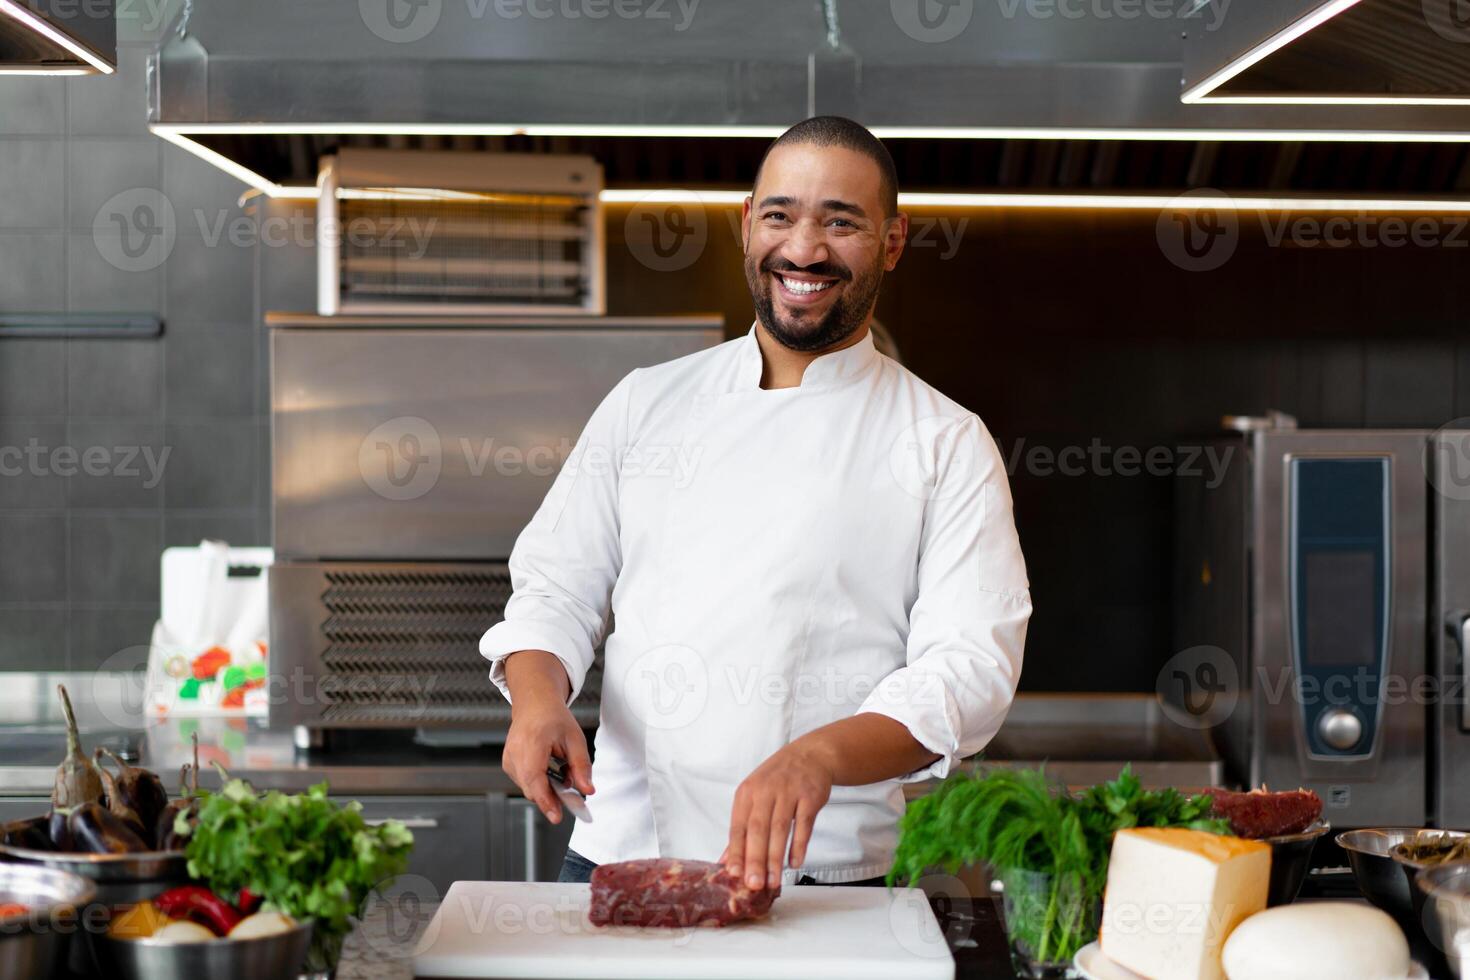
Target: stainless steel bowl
<point>1411,870</point>
<point>33,945</point>
<point>1446,888</point>
<point>1380,878</point>
<point>1291,857</point>
<point>280,956</point>
<point>121,878</point>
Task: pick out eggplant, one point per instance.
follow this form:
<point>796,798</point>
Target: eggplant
<point>165,837</point>
<point>58,831</point>
<point>137,788</point>
<point>77,779</point>
<point>30,833</point>
<point>97,830</point>
<point>115,801</point>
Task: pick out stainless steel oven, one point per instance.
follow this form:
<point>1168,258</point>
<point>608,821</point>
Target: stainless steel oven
<point>407,455</point>
<point>1322,570</point>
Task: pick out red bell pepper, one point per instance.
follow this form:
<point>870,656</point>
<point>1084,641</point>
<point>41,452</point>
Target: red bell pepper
<point>200,904</point>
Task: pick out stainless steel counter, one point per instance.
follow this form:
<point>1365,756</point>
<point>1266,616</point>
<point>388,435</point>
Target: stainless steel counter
<point>1081,738</point>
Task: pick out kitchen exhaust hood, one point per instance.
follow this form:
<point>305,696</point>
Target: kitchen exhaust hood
<point>264,89</point>
<point>1332,52</point>
<point>57,37</point>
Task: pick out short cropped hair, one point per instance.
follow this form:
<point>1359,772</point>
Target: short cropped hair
<point>843,132</point>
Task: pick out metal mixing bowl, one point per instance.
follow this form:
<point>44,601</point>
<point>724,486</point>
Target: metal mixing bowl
<point>34,944</point>
<point>1291,857</point>
<point>1380,878</point>
<point>280,956</point>
<point>1446,888</point>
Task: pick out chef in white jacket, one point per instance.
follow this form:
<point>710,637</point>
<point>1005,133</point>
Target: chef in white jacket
<point>805,555</point>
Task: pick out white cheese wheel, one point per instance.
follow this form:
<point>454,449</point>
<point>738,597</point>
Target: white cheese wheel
<point>1341,940</point>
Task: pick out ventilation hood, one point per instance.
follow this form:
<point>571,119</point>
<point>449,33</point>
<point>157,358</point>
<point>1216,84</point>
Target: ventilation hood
<point>262,89</point>
<point>1333,52</point>
<point>57,37</point>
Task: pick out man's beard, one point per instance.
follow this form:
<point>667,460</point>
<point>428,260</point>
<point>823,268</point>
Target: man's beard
<point>842,319</point>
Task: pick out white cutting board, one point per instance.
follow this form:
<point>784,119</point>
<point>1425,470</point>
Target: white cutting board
<point>813,932</point>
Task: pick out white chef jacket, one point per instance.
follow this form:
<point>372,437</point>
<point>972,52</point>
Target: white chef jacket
<point>773,561</point>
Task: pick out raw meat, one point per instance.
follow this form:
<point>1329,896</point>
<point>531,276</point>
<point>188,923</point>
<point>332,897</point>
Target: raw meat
<point>1260,814</point>
<point>673,893</point>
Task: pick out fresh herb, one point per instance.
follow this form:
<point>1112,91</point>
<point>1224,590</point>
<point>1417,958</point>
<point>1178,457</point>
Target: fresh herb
<point>1021,820</point>
<point>304,854</point>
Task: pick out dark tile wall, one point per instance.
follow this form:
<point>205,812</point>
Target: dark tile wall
<point>174,425</point>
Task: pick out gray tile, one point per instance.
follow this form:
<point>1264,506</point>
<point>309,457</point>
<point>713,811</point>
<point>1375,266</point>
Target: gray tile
<point>212,465</point>
<point>115,378</point>
<point>238,528</point>
<point>31,183</point>
<point>210,370</point>
<point>288,269</point>
<point>114,557</point>
<point>33,106</point>
<point>126,464</point>
<point>33,639</point>
<point>118,104</point>
<point>210,280</point>
<point>103,177</point>
<point>191,183</point>
<point>1409,384</point>
<point>33,560</point>
<point>32,377</point>
<point>26,477</point>
<point>111,639</point>
<point>100,279</point>
<point>32,272</point>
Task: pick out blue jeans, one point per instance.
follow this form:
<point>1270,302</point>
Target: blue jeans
<point>577,869</point>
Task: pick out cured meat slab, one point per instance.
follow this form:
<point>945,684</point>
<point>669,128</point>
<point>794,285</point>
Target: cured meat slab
<point>1259,814</point>
<point>672,893</point>
<point>543,930</point>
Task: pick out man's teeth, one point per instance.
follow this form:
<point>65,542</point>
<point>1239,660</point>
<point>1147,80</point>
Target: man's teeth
<point>798,286</point>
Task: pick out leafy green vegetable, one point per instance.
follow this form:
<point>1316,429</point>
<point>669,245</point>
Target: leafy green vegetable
<point>303,854</point>
<point>1021,820</point>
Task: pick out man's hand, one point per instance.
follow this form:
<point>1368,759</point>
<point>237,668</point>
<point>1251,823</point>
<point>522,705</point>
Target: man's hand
<point>542,726</point>
<point>788,788</point>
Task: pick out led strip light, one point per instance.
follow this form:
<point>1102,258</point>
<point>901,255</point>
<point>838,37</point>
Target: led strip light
<point>179,135</point>
<point>14,9</point>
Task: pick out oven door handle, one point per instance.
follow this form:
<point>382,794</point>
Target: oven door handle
<point>1457,624</point>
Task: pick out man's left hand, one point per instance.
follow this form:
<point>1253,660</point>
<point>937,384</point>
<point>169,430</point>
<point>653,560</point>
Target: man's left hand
<point>787,789</point>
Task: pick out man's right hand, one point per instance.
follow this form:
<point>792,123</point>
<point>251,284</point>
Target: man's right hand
<point>542,726</point>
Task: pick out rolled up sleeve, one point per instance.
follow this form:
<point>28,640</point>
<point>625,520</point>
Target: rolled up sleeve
<point>967,625</point>
<point>566,561</point>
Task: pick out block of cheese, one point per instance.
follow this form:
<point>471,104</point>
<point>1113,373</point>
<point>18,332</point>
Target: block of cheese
<point>1174,895</point>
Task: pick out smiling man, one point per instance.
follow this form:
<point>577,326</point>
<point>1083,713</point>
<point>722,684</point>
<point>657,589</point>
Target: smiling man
<point>831,603</point>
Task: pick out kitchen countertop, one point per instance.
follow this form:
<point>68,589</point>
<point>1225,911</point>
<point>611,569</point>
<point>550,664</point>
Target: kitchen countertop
<point>1082,738</point>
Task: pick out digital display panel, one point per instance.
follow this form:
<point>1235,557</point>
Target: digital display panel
<point>1340,604</point>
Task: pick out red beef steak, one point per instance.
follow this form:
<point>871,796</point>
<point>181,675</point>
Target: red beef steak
<point>1259,814</point>
<point>673,893</point>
